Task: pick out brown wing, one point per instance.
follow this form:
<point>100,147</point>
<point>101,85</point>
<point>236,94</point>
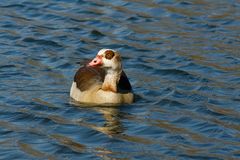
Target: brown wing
<point>124,84</point>
<point>86,77</point>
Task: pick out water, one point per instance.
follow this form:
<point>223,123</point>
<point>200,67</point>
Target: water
<point>182,58</point>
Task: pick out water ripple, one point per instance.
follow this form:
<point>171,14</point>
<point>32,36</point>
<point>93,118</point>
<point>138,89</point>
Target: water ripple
<point>182,58</point>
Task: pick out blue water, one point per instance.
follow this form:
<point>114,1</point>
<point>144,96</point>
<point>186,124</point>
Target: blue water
<point>182,58</point>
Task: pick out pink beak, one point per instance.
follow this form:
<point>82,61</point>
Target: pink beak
<point>97,61</point>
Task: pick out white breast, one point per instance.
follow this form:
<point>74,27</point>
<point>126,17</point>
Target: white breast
<point>98,96</point>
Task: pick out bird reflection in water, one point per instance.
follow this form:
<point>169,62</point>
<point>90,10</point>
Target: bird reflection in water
<point>111,115</point>
<point>113,125</point>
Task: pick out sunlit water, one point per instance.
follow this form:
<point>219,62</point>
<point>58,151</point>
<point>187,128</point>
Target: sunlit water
<point>182,58</point>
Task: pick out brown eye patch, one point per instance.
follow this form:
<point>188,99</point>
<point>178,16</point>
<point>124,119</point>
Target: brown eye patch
<point>109,54</point>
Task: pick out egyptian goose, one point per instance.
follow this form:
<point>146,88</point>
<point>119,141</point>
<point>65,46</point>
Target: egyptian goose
<point>102,81</point>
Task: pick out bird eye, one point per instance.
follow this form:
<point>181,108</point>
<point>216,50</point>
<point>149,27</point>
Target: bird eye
<point>109,54</point>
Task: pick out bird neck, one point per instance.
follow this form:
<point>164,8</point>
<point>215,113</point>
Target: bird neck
<point>111,80</point>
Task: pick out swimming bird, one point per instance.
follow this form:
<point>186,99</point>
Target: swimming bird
<point>102,81</point>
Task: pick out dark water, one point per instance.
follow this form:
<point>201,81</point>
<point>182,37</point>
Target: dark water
<point>182,58</point>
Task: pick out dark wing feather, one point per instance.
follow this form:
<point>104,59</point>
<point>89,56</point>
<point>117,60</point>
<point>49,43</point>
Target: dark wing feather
<point>86,77</point>
<point>124,84</point>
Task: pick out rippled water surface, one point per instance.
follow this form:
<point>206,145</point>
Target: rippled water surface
<point>182,58</point>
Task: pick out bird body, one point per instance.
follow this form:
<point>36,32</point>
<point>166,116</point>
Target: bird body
<point>102,81</point>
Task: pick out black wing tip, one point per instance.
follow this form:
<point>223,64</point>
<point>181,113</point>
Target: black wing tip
<point>124,84</point>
